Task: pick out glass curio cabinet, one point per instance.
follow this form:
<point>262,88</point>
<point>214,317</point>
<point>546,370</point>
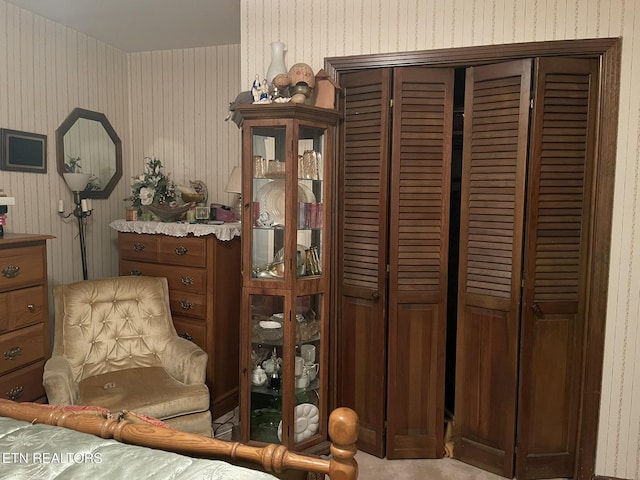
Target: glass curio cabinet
<point>287,159</point>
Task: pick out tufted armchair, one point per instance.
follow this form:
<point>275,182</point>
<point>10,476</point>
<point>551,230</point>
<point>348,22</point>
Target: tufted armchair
<point>115,347</point>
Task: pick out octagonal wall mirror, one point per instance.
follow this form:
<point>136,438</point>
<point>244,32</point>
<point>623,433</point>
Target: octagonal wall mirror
<point>88,139</point>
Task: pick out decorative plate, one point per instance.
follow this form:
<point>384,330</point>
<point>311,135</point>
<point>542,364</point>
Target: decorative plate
<point>307,419</point>
<point>272,199</point>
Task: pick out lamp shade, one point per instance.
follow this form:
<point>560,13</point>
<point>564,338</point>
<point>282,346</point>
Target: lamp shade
<point>234,184</point>
<point>77,182</point>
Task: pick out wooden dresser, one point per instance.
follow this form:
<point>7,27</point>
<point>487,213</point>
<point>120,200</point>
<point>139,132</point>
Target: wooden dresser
<point>204,292</point>
<point>24,316</point>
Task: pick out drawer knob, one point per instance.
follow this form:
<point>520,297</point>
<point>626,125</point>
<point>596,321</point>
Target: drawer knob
<point>186,304</point>
<point>31,307</point>
<point>186,336</point>
<point>11,271</point>
<point>187,280</point>
<point>181,250</point>
<point>135,273</point>
<point>15,393</point>
<point>13,353</point>
<point>138,247</point>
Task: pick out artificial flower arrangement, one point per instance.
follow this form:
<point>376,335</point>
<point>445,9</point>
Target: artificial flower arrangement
<point>153,186</point>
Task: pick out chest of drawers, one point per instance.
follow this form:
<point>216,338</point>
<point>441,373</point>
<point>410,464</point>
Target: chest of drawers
<point>24,316</point>
<point>204,292</point>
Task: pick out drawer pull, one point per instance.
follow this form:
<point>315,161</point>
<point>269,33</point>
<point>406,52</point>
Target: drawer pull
<point>186,304</point>
<point>13,353</point>
<point>15,393</point>
<point>181,250</point>
<point>187,280</point>
<point>138,247</point>
<point>135,273</point>
<point>186,336</point>
<point>11,271</point>
<point>31,307</point>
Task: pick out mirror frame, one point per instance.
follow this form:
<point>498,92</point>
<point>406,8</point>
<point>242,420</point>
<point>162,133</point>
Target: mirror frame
<point>65,126</point>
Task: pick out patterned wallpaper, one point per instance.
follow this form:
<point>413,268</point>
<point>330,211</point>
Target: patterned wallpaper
<point>169,104</point>
<point>313,30</point>
<point>179,101</point>
<point>46,71</point>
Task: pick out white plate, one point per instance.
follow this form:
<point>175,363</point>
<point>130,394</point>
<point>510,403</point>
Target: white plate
<point>272,199</point>
<point>307,419</point>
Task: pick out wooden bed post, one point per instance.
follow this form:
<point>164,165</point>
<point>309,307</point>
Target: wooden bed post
<point>343,431</point>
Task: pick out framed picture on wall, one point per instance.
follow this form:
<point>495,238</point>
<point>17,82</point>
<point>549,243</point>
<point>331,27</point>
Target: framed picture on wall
<point>23,151</point>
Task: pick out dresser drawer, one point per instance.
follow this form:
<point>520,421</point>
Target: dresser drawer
<point>189,304</point>
<point>186,251</point>
<point>21,347</point>
<point>134,246</point>
<point>21,267</point>
<point>24,307</point>
<point>179,278</point>
<point>191,330</point>
<point>24,385</point>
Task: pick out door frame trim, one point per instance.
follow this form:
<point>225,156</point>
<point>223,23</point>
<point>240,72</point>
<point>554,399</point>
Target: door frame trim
<point>608,51</point>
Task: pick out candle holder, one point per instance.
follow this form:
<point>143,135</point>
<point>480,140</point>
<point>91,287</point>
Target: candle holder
<point>82,210</point>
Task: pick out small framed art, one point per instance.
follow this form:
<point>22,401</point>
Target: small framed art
<point>23,151</point>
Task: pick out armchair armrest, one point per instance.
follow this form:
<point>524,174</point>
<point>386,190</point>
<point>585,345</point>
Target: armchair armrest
<point>58,382</point>
<point>185,361</point>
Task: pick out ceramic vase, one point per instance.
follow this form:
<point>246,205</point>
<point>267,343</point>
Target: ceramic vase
<point>277,65</point>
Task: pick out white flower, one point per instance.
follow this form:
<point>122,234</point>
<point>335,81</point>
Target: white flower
<point>146,195</point>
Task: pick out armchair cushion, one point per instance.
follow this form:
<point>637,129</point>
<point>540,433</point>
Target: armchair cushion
<point>150,391</point>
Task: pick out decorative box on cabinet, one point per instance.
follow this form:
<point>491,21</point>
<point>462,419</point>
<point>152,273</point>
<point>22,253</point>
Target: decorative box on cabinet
<point>204,293</point>
<point>287,158</point>
<point>24,316</point>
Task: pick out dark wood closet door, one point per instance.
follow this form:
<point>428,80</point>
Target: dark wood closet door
<point>361,330</point>
<point>491,225</point>
<point>557,238</point>
<point>418,253</point>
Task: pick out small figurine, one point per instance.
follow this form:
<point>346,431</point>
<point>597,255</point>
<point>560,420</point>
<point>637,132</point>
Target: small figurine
<point>255,89</point>
<point>264,92</point>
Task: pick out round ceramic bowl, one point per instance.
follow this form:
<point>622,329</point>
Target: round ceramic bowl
<point>167,213</point>
<point>193,197</point>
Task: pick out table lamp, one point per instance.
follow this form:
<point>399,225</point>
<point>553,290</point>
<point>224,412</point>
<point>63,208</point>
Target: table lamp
<point>234,185</point>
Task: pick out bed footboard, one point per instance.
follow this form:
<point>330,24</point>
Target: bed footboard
<point>275,459</point>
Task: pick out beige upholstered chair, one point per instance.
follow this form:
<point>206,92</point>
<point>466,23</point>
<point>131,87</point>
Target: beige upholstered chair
<point>115,347</point>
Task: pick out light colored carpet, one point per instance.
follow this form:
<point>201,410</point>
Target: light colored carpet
<point>374,468</point>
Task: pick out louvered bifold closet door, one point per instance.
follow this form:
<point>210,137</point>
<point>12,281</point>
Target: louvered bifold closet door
<point>362,253</point>
<point>556,249</point>
<point>421,145</point>
<point>497,99</point>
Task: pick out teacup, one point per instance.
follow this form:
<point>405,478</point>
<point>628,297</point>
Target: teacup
<point>302,381</point>
<point>311,370</point>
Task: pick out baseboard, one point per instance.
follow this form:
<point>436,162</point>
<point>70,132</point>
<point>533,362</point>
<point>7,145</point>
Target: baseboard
<point>601,477</point>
